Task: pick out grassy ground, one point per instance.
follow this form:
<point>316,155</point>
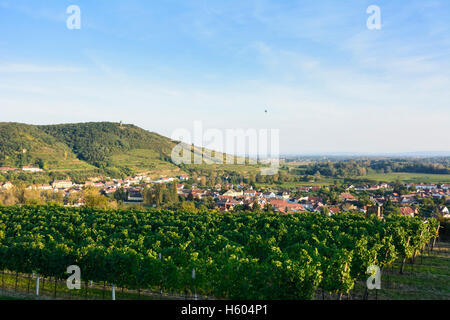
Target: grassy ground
<point>139,159</point>
<point>376,177</point>
<point>10,298</point>
<point>143,160</point>
<point>409,177</point>
<point>293,185</point>
<point>238,168</point>
<point>24,289</point>
<point>427,279</point>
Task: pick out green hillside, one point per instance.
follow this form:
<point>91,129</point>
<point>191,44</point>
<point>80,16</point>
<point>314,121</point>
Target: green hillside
<point>24,145</point>
<point>120,148</point>
<point>111,147</point>
<point>91,148</point>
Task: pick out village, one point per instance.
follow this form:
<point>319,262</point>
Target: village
<point>361,198</point>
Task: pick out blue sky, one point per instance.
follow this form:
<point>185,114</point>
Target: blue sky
<point>329,84</point>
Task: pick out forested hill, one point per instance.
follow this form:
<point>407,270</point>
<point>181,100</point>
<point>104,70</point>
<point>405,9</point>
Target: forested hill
<point>23,145</point>
<point>96,143</point>
<point>103,145</point>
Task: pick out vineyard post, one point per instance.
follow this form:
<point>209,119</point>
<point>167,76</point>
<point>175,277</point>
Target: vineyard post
<point>415,250</point>
<point>405,257</point>
<point>439,240</point>
<point>160,281</point>
<point>37,284</point>
<point>195,288</point>
<point>15,284</point>
<point>113,292</point>
<point>388,277</point>
<point>56,283</point>
<point>436,235</point>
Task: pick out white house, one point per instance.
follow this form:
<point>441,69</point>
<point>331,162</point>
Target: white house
<point>233,193</point>
<point>444,212</point>
<point>31,169</point>
<point>425,186</point>
<point>164,180</point>
<point>62,184</point>
<point>269,195</point>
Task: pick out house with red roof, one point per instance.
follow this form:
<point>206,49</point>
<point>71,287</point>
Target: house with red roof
<point>407,212</point>
<point>347,197</point>
<point>285,206</point>
<point>334,209</point>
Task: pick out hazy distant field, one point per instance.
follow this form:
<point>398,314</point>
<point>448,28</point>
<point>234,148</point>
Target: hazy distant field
<point>376,177</point>
<point>410,177</point>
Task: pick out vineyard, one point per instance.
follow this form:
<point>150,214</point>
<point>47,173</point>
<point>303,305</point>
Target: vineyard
<point>235,256</point>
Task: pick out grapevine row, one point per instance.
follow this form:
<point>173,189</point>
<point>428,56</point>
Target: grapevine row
<point>236,256</point>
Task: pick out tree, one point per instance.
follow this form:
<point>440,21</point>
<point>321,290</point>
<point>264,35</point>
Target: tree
<point>174,193</point>
<point>93,199</point>
<point>364,200</point>
<point>30,196</point>
<point>8,198</point>
<point>209,202</point>
<point>41,164</point>
<point>427,208</point>
<point>399,187</point>
<point>121,195</point>
<point>188,206</point>
<point>256,206</point>
<point>268,208</point>
<point>149,196</point>
<point>390,209</point>
<point>53,197</point>
<point>73,198</point>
